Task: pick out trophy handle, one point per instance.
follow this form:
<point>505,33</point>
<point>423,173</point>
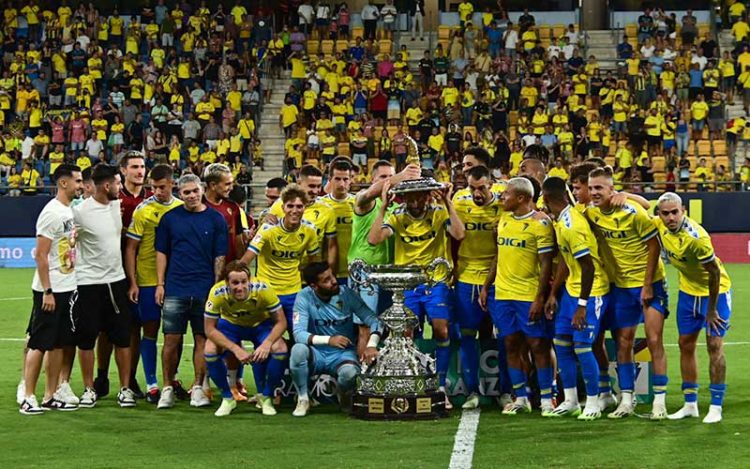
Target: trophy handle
<point>359,273</point>
<point>432,268</point>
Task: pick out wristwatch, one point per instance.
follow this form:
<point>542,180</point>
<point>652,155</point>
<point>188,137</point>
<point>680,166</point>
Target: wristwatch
<point>48,291</point>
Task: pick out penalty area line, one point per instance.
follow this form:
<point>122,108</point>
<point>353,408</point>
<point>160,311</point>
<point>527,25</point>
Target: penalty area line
<point>463,446</point>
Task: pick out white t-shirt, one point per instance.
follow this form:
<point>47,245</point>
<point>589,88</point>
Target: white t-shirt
<point>511,39</point>
<point>94,148</point>
<point>99,231</point>
<point>26,145</point>
<point>56,224</point>
<point>369,12</point>
<point>306,14</point>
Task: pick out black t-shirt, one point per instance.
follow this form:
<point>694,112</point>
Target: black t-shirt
<point>425,129</point>
<point>708,48</point>
<point>425,66</point>
<point>453,142</point>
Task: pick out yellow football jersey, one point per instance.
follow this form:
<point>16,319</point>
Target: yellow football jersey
<point>623,234</point>
<point>575,239</point>
<point>280,252</point>
<point>146,218</point>
<point>477,249</point>
<point>344,212</point>
<point>259,306</point>
<point>419,241</point>
<point>688,249</point>
<point>520,240</point>
<point>318,213</point>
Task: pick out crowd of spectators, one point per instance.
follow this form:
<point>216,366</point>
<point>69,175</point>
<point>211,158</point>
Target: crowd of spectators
<point>187,85</point>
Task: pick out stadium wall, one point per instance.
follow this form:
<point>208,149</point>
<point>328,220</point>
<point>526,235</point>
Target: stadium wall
<point>724,214</point>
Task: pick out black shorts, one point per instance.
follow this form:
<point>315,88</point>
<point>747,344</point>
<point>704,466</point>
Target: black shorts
<point>653,140</point>
<point>103,308</point>
<point>51,330</point>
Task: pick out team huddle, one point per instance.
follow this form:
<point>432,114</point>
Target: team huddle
<point>551,270</point>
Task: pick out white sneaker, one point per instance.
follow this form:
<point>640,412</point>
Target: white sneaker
<point>198,397</point>
<point>166,401</point>
<point>625,409</point>
<point>546,407</point>
<point>472,402</point>
<point>126,398</point>
<point>303,405</point>
<point>267,407</point>
<point>713,415</point>
<point>658,412</point>
<point>448,403</point>
<point>591,411</point>
<point>566,408</point>
<point>520,406</point>
<point>607,401</point>
<point>67,394</point>
<point>88,398</point>
<point>504,400</point>
<point>29,406</point>
<point>689,410</point>
<point>56,402</point>
<point>226,407</point>
<point>21,392</point>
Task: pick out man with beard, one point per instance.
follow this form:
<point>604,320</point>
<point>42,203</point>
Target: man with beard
<point>325,334</point>
<point>420,227</point>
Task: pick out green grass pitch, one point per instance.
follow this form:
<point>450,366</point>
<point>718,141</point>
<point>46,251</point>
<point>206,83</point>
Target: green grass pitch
<point>108,436</point>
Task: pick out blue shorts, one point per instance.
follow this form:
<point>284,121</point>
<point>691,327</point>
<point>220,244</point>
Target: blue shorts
<point>669,144</point>
<point>328,360</point>
<point>147,309</point>
<point>237,334</point>
<point>626,310</point>
<point>567,309</point>
<point>435,304</point>
<point>468,313</point>
<point>287,304</point>
<point>692,310</point>
<point>510,316</point>
<point>177,312</point>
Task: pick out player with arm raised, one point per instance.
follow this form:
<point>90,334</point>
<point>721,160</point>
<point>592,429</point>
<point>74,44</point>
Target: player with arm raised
<point>239,308</point>
<point>705,301</point>
<point>630,249</point>
<point>325,334</point>
<point>479,211</point>
<point>579,180</point>
<point>584,299</point>
<point>419,227</point>
<point>524,248</point>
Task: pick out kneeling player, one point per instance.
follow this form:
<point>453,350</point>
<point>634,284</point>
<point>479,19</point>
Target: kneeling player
<point>325,333</point>
<point>238,309</point>
<point>525,242</point>
<point>583,300</point>
<point>705,301</point>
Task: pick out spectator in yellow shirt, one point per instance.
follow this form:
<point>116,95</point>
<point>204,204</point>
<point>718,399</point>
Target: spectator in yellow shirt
<point>698,113</point>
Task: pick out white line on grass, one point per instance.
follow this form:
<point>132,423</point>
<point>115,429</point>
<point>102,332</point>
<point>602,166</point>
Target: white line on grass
<point>18,298</point>
<point>463,447</point>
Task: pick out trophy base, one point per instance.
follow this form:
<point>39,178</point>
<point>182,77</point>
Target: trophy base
<point>424,406</point>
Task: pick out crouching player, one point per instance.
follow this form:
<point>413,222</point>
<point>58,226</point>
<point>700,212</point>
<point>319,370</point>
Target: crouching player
<point>239,309</point>
<point>325,333</point>
<point>705,301</point>
<point>583,301</point>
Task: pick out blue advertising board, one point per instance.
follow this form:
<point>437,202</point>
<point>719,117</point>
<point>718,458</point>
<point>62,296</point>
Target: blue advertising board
<point>17,252</point>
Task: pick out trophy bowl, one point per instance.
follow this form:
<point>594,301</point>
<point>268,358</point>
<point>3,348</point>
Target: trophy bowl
<point>402,383</point>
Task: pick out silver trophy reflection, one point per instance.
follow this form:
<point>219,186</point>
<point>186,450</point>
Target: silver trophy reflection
<point>402,382</point>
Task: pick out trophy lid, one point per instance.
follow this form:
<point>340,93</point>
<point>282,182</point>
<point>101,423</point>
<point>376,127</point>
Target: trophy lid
<point>423,184</point>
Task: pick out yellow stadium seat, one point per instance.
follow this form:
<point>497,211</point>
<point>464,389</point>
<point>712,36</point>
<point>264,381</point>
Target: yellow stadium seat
<point>358,31</point>
<point>722,161</point>
<point>343,149</point>
<point>370,163</point>
<point>312,47</point>
<point>658,163</point>
<point>385,46</point>
<point>558,30</point>
<point>631,30</point>
<point>342,45</point>
<point>444,32</point>
<point>513,117</point>
<point>544,33</point>
<point>693,162</point>
<point>326,46</point>
<point>472,130</point>
<point>703,29</point>
<point>610,160</point>
<point>720,148</point>
<point>704,148</point>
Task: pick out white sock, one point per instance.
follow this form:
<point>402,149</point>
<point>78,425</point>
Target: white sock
<point>546,402</point>
<point>522,400</point>
<point>592,402</point>
<point>232,377</point>
<point>206,385</point>
<point>626,398</point>
<point>303,397</point>
<point>660,399</point>
<point>605,394</point>
<point>571,395</point>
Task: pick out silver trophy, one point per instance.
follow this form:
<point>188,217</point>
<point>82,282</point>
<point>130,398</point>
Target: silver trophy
<point>402,383</point>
